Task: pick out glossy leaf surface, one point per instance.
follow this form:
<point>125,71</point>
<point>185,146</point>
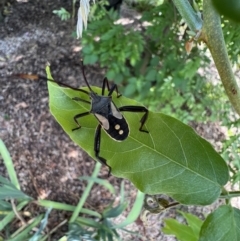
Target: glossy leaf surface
<point>170,159</point>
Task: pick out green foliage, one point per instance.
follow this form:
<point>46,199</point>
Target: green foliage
<point>113,48</point>
<point>231,150</point>
<point>8,190</point>
<point>150,61</point>
<point>63,14</point>
<point>231,32</point>
<point>92,226</point>
<point>230,8</point>
<point>163,161</point>
<point>184,232</point>
<point>43,225</point>
<point>9,165</point>
<point>223,225</point>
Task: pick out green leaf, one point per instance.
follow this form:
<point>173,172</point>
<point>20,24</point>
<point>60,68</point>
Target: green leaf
<point>9,164</point>
<point>4,205</point>
<point>88,222</point>
<point>130,89</point>
<point>77,233</point>
<point>66,207</point>
<point>88,49</point>
<point>112,212</point>
<point>101,182</point>
<point>43,225</point>
<point>24,235</point>
<point>85,193</point>
<point>135,211</point>
<point>193,221</point>
<point>8,190</point>
<point>8,219</point>
<point>170,159</point>
<point>181,231</point>
<point>222,225</point>
<point>111,74</point>
<point>90,59</point>
<point>151,75</point>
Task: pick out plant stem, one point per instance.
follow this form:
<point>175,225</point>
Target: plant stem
<point>192,19</point>
<point>85,193</point>
<point>231,194</point>
<point>212,35</point>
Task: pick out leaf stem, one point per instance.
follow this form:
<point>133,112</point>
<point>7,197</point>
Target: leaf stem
<point>212,35</point>
<point>192,18</point>
<point>230,194</point>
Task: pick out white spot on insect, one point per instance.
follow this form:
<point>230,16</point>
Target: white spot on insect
<point>120,132</point>
<point>103,121</point>
<point>116,112</point>
<point>117,127</point>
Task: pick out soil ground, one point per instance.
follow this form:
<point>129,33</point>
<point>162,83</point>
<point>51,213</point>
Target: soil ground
<point>47,162</point>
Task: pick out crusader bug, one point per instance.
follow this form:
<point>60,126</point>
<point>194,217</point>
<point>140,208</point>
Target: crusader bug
<point>106,112</point>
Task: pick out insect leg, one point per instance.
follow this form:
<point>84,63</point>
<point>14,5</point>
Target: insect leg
<point>82,100</point>
<point>110,90</point>
<point>79,116</point>
<point>133,108</point>
<point>97,143</point>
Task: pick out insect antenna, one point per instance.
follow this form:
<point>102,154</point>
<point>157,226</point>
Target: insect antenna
<point>40,77</point>
<point>84,76</point>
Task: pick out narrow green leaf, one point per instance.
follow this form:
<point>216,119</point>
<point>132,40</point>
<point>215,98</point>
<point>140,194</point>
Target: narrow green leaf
<point>170,159</point>
<point>85,194</point>
<point>222,225</point>
<point>101,182</point>
<point>11,215</point>
<point>122,192</point>
<point>112,212</point>
<point>8,190</point>
<point>77,233</point>
<point>88,222</point>
<point>44,222</point>
<point>135,211</point>
<point>24,235</point>
<point>9,164</point>
<point>66,207</point>
<point>181,231</point>
<point>4,206</point>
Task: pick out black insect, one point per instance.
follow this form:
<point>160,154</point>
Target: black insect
<point>108,115</point>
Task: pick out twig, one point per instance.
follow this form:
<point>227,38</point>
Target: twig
<point>17,213</point>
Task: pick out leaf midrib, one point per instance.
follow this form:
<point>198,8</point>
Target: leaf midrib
<point>142,144</point>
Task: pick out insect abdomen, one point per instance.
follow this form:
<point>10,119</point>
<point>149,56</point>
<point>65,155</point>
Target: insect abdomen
<point>118,128</point>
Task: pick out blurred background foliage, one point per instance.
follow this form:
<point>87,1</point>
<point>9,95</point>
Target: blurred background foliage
<point>147,58</point>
